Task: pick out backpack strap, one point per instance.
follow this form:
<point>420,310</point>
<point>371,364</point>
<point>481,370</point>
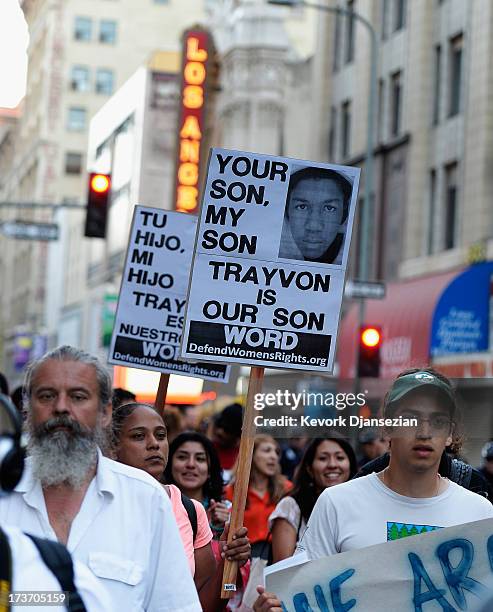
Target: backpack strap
<point>192,513</point>
<point>58,560</point>
<point>460,473</point>
<point>5,572</point>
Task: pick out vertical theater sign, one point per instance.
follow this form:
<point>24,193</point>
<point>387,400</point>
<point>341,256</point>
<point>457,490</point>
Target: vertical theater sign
<point>197,50</point>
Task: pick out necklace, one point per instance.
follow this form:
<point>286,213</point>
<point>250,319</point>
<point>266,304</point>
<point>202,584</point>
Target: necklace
<point>439,481</point>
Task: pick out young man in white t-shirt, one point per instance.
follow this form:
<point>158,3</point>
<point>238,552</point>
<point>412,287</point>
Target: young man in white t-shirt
<point>409,496</point>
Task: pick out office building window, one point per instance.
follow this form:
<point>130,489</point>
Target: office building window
<point>380,110</point>
<point>400,7</point>
<point>346,129</point>
<point>455,72</point>
<point>79,78</point>
<point>76,121</point>
<point>337,43</point>
<point>332,132</point>
<point>384,18</point>
<point>104,81</point>
<point>450,211</point>
<point>396,103</point>
<point>349,55</point>
<point>73,163</point>
<point>437,85</point>
<point>107,32</point>
<point>83,28</point>
<point>431,212</point>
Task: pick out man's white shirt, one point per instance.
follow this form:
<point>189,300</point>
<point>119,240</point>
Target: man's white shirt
<point>29,573</point>
<point>363,512</point>
<point>125,532</point>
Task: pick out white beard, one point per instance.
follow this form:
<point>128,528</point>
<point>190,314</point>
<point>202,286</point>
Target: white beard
<point>63,457</point>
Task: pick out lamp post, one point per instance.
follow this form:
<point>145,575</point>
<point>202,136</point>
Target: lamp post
<point>364,251</point>
<point>365,247</point>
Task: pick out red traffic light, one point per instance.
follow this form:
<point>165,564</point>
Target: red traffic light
<point>98,202</point>
<point>370,336</point>
<point>100,183</point>
<point>370,339</point>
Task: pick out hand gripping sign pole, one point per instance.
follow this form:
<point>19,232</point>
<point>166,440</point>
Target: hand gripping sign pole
<point>162,391</point>
<point>242,477</point>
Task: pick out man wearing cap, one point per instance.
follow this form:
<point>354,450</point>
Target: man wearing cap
<point>409,496</point>
<point>406,498</point>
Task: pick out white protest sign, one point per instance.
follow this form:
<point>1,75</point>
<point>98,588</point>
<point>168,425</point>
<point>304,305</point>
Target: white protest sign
<point>151,305</point>
<point>269,263</point>
<point>447,569</point>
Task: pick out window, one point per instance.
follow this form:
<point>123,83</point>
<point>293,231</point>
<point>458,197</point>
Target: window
<point>455,75</point>
<point>79,78</point>
<point>83,28</point>
<point>450,206</point>
<point>380,110</point>
<point>384,18</point>
<point>396,104</point>
<point>107,32</point>
<point>104,81</point>
<point>400,7</point>
<point>161,1</point>
<point>73,163</point>
<point>332,132</point>
<point>337,43</point>
<point>437,87</point>
<point>76,119</point>
<point>350,33</point>
<point>431,212</point>
<point>346,129</point>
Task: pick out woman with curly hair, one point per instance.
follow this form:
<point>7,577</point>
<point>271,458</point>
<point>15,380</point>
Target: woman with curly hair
<point>326,462</point>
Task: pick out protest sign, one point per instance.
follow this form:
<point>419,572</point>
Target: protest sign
<point>269,264</point>
<point>151,305</point>
<point>447,569</point>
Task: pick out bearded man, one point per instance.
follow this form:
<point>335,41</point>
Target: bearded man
<point>114,518</point>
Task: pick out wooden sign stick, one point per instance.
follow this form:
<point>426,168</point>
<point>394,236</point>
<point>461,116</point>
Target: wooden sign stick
<point>162,390</point>
<point>242,477</point>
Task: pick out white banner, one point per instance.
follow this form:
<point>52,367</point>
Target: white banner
<point>444,570</point>
<point>271,254</point>
<point>151,305</point>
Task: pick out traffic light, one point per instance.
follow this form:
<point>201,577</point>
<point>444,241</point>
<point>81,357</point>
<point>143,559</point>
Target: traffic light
<point>98,197</point>
<point>370,339</point>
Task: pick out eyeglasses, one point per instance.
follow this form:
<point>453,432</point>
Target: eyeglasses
<point>439,423</point>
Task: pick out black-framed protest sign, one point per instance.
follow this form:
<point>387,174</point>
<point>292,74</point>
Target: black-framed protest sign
<point>270,258</point>
<point>151,305</point>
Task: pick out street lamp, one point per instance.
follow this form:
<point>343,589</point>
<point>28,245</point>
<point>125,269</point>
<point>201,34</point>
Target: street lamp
<point>364,252</point>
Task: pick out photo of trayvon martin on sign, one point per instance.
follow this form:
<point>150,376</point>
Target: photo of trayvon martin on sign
<point>269,263</point>
<point>151,305</point>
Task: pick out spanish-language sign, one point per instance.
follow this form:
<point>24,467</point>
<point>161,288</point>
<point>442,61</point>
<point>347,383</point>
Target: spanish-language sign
<point>269,263</point>
<point>446,570</point>
<point>151,305</point>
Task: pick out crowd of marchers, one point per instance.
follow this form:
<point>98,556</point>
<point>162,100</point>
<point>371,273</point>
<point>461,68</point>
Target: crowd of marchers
<point>142,500</point>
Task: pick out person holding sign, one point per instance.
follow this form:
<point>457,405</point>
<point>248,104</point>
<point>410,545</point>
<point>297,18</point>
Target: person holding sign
<point>317,207</point>
<point>139,439</point>
<point>408,497</point>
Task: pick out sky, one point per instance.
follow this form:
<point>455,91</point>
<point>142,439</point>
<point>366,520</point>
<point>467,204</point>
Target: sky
<point>14,38</point>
